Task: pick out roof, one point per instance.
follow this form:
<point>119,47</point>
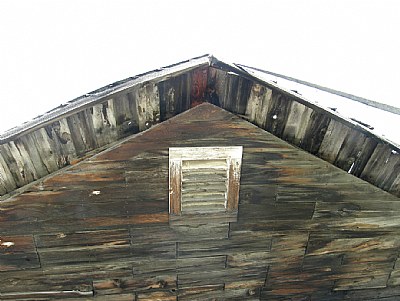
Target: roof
<point>100,229</point>
<point>90,123</point>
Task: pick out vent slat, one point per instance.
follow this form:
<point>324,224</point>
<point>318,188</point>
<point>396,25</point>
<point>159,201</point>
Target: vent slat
<point>204,186</point>
<point>201,190</point>
<point>204,206</point>
<point>212,185</point>
<point>205,171</point>
<point>204,178</point>
<point>202,196</point>
<point>204,164</point>
<point>204,202</point>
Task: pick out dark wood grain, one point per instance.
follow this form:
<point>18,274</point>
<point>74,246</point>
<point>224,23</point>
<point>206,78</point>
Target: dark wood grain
<point>101,230</point>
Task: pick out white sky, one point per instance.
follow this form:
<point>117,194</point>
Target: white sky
<point>54,51</point>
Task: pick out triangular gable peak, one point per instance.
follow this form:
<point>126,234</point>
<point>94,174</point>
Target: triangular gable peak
<point>90,123</point>
<point>102,229</point>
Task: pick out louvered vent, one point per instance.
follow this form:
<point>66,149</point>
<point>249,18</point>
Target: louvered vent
<point>204,185</point>
<point>204,179</point>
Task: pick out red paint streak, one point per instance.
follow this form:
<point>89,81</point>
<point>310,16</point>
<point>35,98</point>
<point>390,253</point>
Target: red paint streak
<point>198,87</point>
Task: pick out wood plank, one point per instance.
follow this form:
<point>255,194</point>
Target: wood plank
<point>231,80</point>
<point>351,149</point>
<point>63,133</point>
<point>220,84</point>
<point>140,283</point>
<point>60,140</point>
<point>33,153</point>
<point>122,111</point>
<point>20,150</point>
<point>45,145</point>
<point>282,295</point>
<point>78,134</point>
<point>288,249</point>
<point>104,123</point>
<point>15,162</point>
<point>83,177</point>
<point>333,141</point>
<point>198,264</point>
<point>218,293</point>
<point>277,211</point>
<point>83,247</point>
<point>183,232</point>
<point>325,244</point>
<point>83,210</point>
<point>162,295</point>
<point>64,277</point>
<point>315,133</point>
<point>6,177</point>
<point>395,187</point>
<point>232,90</point>
<point>377,163</point>
<point>249,258</point>
<point>3,188</point>
<point>289,281</point>
<point>357,283</point>
<point>232,277</point>
<point>148,105</point>
<point>164,250</point>
<point>242,96</point>
<point>363,156</point>
<point>258,104</point>
<point>18,252</point>
<point>85,127</point>
<point>296,124</point>
<point>389,172</point>
<point>196,219</point>
<point>237,244</point>
<point>46,295</point>
<point>356,208</point>
<point>278,111</point>
<point>174,96</point>
<point>384,294</point>
<point>200,292</point>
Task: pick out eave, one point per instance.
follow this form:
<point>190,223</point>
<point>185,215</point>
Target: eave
<point>137,103</point>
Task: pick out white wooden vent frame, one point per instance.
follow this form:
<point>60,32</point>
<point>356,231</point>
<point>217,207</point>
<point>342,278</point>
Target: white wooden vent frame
<point>204,179</point>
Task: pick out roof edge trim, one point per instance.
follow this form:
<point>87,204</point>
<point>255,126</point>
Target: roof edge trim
<point>245,71</point>
<point>106,91</point>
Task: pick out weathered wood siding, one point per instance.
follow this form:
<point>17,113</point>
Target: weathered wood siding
<point>36,154</point>
<point>100,230</point>
<point>318,131</point>
<point>121,109</point>
<point>66,139</point>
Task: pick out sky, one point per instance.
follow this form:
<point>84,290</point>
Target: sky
<point>54,51</point>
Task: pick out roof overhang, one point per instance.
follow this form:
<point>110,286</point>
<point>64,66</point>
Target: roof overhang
<point>95,120</point>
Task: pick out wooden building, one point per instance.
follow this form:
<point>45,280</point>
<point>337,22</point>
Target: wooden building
<point>85,212</point>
